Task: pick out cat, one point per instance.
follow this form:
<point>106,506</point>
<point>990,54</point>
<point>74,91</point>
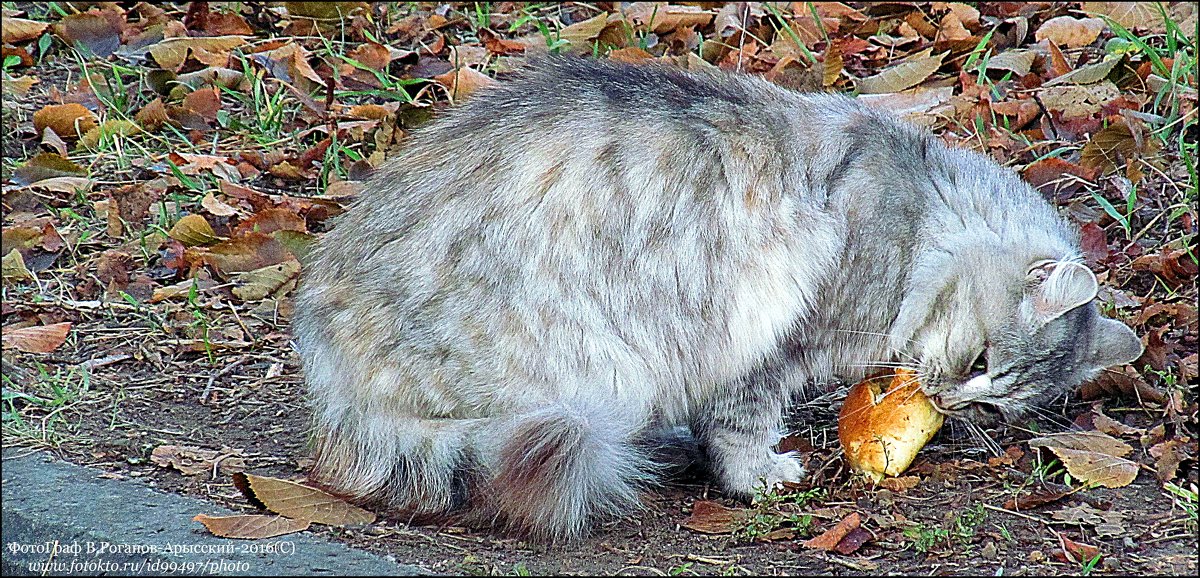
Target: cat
<point>561,274</point>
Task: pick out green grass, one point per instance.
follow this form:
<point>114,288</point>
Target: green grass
<point>773,511</point>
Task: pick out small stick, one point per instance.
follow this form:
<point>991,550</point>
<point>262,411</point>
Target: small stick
<point>208,388</point>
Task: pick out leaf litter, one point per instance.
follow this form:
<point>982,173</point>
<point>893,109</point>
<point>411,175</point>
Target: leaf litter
<point>215,243</point>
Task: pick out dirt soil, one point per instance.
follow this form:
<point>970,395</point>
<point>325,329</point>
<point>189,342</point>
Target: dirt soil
<point>179,340</point>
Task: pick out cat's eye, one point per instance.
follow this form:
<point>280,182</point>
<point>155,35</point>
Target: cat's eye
<point>980,366</point>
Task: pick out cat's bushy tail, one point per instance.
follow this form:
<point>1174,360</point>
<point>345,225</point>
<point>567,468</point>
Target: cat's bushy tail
<point>549,472</point>
<point>558,468</point>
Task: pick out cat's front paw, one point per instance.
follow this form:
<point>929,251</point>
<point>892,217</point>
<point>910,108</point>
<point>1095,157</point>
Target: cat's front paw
<point>784,468</point>
<point>747,479</point>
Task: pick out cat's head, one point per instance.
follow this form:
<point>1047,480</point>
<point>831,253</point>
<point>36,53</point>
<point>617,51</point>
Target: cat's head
<point>997,340</point>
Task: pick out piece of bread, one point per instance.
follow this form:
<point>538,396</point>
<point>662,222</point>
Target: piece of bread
<point>884,422</point>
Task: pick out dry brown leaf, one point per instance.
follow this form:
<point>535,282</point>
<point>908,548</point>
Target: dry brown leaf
<point>1069,31</point>
<point>205,102</point>
<point>1116,145</point>
<point>192,460</point>
<point>631,54</point>
<point>662,18</point>
<point>1091,457</point>
<point>69,121</point>
<point>1079,101</point>
<point>829,539</point>
<point>581,34</point>
<point>269,280</point>
<point>96,32</point>
<point>920,105</point>
<point>461,82</point>
<point>326,10</point>
<point>1088,73</point>
<point>1132,15</point>
<point>901,484</point>
<point>907,74</point>
<point>1169,454</point>
<point>45,166</point>
<point>245,253</point>
<point>252,526</point>
<point>303,502</point>
<point>217,207</point>
<point>20,85</point>
<point>17,30</point>
<point>212,50</point>
<point>1039,497</point>
<point>1017,61</point>
<point>38,338</point>
<point>193,230</point>
<point>13,269</point>
<point>709,517</point>
<point>1110,426</point>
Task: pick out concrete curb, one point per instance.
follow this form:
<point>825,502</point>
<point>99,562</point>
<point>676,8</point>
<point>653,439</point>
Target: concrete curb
<point>63,519</point>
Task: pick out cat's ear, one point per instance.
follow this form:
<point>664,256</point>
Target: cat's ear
<point>1114,343</point>
<point>1053,288</point>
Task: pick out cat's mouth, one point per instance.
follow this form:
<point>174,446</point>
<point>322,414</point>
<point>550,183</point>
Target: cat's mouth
<point>978,412</point>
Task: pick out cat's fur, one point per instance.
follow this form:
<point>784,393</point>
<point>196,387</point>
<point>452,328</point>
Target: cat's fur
<point>582,258</point>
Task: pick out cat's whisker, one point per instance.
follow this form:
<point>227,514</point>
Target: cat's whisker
<point>989,444</point>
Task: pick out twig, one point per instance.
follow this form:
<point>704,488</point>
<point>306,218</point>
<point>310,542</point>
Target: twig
<point>208,388</point>
<point>1017,514</point>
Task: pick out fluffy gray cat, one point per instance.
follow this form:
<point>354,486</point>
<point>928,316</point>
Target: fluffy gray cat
<point>560,273</point>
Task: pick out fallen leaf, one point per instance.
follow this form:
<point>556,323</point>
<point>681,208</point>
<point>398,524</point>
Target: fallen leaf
<point>1091,457</point>
<point>193,230</point>
<point>1070,32</point>
<point>461,82</point>
<point>1169,454</point>
<point>45,166</point>
<point>17,30</point>
<point>95,32</point>
<point>581,34</point>
<point>192,460</point>
<point>245,253</point>
<point>709,517</point>
<point>900,484</point>
<point>303,502</point>
<point>829,539</point>
<point>630,54</point>
<point>919,105</point>
<point>1078,552</point>
<point>326,10</point>
<point>37,338</point>
<point>1116,145</point>
<point>1088,73</point>
<point>1017,61</point>
<point>212,50</point>
<point>852,541</point>
<point>217,207</point>
<point>1131,15</point>
<point>251,526</point>
<point>270,280</point>
<point>1121,382</point>
<point>1110,426</point>
<point>205,102</point>
<point>911,72</point>
<point>662,18</point>
<point>107,130</point>
<point>13,269</point>
<point>69,121</point>
<point>1040,496</point>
